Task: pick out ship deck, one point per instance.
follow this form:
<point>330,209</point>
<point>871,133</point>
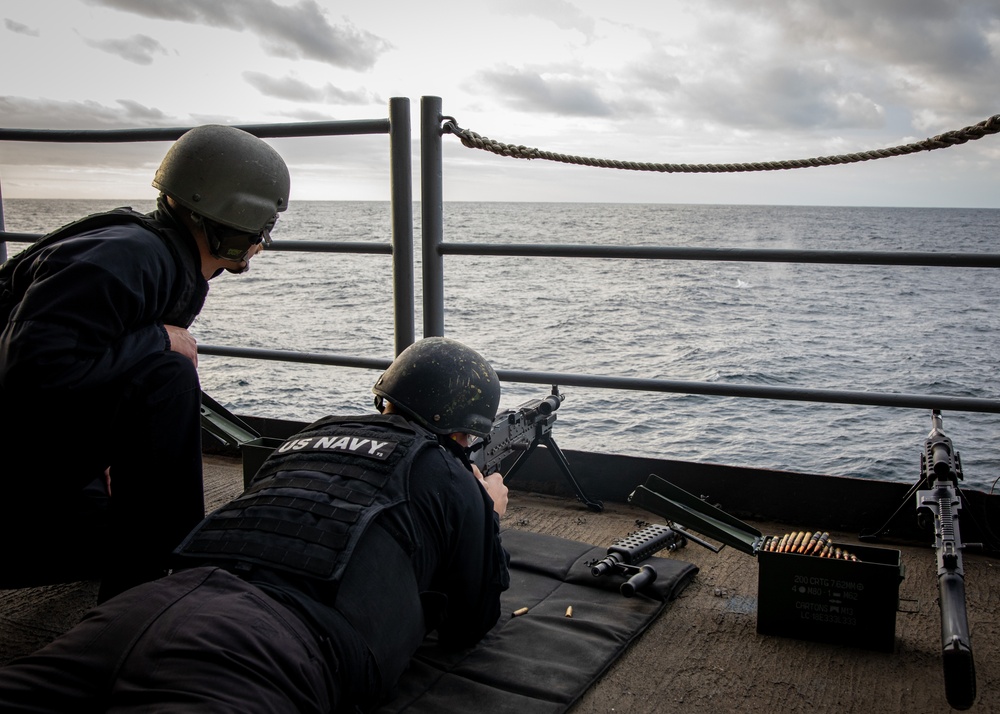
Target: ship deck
<point>703,654</point>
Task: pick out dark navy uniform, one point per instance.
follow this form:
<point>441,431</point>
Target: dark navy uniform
<point>309,593</point>
<point>87,381</point>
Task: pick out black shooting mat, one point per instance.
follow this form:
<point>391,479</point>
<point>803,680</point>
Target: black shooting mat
<point>540,662</point>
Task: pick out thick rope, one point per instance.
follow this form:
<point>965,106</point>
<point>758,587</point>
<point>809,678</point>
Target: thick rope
<point>942,141</point>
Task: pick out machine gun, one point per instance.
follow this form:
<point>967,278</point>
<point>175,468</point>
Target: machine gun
<point>940,499</point>
<point>521,430</point>
<point>624,555</point>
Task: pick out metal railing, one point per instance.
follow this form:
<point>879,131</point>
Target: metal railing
<point>396,125</point>
<point>434,249</point>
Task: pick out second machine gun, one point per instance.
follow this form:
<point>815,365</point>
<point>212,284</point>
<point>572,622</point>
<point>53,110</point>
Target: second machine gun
<point>521,430</point>
<point>939,500</point>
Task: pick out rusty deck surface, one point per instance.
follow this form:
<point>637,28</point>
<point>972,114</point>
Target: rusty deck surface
<point>704,653</point>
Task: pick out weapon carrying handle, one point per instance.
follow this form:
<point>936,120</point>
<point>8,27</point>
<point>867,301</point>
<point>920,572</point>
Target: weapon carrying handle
<point>637,582</point>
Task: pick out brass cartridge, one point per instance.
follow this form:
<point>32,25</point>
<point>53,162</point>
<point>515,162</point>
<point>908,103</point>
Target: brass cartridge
<point>796,541</point>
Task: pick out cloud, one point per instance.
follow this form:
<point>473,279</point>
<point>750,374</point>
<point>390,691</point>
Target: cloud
<point>140,115</point>
<point>54,114</point>
<point>544,92</point>
<point>60,169</point>
<point>777,95</point>
<point>138,49</point>
<point>296,90</point>
<point>946,35</point>
<point>561,13</point>
<point>913,67</point>
<point>20,28</point>
<point>936,57</point>
<point>728,87</point>
<point>299,31</point>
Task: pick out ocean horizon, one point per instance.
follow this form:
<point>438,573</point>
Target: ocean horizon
<point>892,329</point>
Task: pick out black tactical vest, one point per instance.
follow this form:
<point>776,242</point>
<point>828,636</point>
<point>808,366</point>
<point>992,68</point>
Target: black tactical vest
<point>311,511</point>
<point>189,293</point>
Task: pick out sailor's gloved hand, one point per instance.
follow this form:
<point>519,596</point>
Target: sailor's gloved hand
<point>496,489</point>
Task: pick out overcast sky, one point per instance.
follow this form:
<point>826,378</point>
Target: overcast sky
<point>662,81</point>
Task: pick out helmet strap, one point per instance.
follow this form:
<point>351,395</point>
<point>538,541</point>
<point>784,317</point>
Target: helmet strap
<point>213,241</point>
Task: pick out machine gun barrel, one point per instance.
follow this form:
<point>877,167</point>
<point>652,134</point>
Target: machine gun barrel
<point>516,430</point>
<point>940,449</point>
<point>940,472</point>
<point>520,431</point>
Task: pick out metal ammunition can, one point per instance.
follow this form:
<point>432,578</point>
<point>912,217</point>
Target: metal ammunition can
<point>827,600</point>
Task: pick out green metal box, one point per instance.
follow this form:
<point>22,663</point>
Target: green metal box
<point>802,596</point>
<point>826,600</point>
<point>254,452</point>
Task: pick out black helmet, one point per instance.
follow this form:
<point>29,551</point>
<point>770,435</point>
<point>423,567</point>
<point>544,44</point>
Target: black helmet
<point>443,385</point>
<point>226,175</point>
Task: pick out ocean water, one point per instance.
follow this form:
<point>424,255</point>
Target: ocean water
<point>882,329</point>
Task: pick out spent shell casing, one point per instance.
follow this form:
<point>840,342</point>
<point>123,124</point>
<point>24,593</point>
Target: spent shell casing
<point>569,611</point>
<point>519,612</point>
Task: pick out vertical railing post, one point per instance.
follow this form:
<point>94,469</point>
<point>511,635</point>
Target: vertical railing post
<point>404,304</point>
<point>3,243</point>
<point>431,215</point>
